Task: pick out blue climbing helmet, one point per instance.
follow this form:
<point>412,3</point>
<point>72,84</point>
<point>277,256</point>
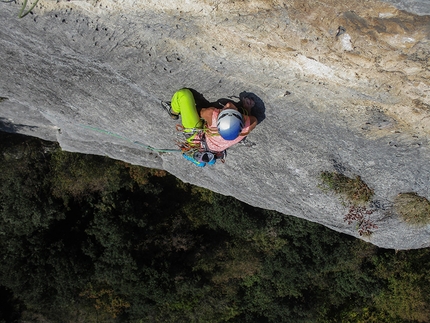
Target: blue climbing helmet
<point>229,124</point>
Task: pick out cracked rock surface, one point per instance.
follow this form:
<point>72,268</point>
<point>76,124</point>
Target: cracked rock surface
<point>344,87</point>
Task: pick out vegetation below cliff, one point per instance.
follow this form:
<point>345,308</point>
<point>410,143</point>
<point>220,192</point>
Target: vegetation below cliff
<point>90,239</point>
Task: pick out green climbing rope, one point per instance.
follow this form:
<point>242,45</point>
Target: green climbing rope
<point>22,14</point>
<point>110,133</point>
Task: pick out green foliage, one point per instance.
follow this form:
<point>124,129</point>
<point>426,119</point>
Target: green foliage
<point>82,175</point>
<point>413,208</point>
<point>354,190</point>
<point>356,194</point>
<point>10,307</point>
<point>142,175</point>
<point>24,203</point>
<point>229,262</point>
<point>105,301</point>
<point>407,278</point>
<point>85,238</point>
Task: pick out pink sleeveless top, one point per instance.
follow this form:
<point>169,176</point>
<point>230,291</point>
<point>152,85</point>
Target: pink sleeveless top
<point>215,142</point>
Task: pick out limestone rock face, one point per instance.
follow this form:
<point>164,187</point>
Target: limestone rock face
<point>344,84</point>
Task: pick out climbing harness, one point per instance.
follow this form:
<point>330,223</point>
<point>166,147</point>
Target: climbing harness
<point>195,149</point>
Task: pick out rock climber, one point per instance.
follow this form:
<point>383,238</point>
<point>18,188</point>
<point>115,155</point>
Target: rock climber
<point>213,129</point>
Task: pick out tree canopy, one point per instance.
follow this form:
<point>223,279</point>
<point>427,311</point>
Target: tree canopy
<point>89,239</point>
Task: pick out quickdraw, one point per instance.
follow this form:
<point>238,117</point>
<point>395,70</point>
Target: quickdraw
<point>194,146</point>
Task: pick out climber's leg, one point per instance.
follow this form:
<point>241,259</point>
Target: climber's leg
<point>183,103</point>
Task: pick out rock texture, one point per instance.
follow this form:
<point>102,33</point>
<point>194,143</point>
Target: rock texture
<point>345,86</point>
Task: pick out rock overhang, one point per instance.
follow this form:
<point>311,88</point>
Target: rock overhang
<point>353,99</point>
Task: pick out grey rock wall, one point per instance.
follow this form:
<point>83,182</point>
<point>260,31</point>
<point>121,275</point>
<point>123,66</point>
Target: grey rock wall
<point>345,87</point>
<point>418,7</point>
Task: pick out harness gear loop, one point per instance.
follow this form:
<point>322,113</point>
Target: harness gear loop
<point>184,146</point>
<point>195,144</point>
<point>180,127</point>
